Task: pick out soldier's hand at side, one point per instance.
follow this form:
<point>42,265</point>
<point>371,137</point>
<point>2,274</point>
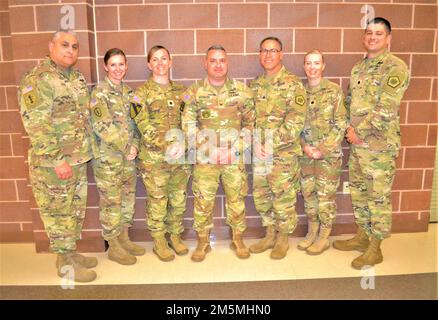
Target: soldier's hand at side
<point>64,171</point>
<point>132,153</point>
<point>176,151</point>
<point>352,136</point>
<point>261,152</point>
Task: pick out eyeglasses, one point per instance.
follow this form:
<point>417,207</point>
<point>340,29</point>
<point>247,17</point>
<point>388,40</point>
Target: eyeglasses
<point>266,51</point>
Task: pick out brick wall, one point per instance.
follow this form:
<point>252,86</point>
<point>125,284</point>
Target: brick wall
<point>188,28</point>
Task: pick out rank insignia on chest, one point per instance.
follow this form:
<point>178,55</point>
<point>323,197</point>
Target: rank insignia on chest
<point>182,106</point>
<point>170,103</point>
<point>299,100</point>
<point>97,111</point>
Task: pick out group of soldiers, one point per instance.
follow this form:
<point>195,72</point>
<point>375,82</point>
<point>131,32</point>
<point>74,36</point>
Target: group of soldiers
<point>290,133</point>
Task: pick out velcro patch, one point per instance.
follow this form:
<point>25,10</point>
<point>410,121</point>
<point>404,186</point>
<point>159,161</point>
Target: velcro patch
<point>299,100</point>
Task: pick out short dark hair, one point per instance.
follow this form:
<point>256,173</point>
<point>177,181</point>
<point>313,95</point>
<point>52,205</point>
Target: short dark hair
<point>113,52</point>
<point>274,39</point>
<point>215,47</point>
<point>155,49</point>
<point>380,20</point>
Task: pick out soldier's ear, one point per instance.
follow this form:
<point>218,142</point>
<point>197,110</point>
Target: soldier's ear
<point>51,46</point>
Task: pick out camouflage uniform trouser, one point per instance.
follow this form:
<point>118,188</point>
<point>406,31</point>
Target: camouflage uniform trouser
<point>61,203</point>
<point>371,177</point>
<point>166,188</point>
<point>205,185</point>
<point>319,181</point>
<point>116,182</point>
<point>275,193</point>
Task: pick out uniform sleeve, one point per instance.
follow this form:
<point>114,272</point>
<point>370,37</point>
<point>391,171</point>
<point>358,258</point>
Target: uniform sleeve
<point>393,86</point>
<point>104,126</point>
<point>336,134</point>
<point>140,113</point>
<point>36,106</point>
<point>290,130</point>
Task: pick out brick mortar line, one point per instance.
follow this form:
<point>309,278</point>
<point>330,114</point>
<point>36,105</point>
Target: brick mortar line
<point>413,16</point>
<point>35,24</point>
<point>218,16</point>
<point>250,28</point>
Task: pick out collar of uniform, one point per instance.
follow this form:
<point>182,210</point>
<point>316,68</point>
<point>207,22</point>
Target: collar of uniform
<point>114,86</point>
<point>322,85</point>
<point>276,76</point>
<point>65,72</point>
<point>377,59</point>
<point>227,85</point>
<point>157,86</point>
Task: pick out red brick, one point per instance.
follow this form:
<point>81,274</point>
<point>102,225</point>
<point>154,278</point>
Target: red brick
<point>409,222</point>
<point>17,144</point>
<point>106,18</point>
<point>189,67</point>
<point>5,29</point>
<point>23,189</point>
<point>400,158</point>
<point>414,135</point>
<point>408,180</point>
<point>414,1</point>
<point>6,73</point>
<point>343,201</point>
<point>131,42</point>
<point>340,65</point>
<point>325,40</point>
<point>243,15</point>
<point>294,63</point>
<point>92,219</point>
<point>254,36</point>
<point>432,135</point>
<point>415,200</point>
<point>14,212</point>
<point>31,46</point>
<point>176,41</point>
<point>10,228</point>
<point>118,2</point>
<point>244,66</point>
<point>11,122</point>
<point>11,96</point>
<point>21,2</point>
<point>6,44</point>
<point>293,15</point>
<point>403,111</point>
<point>8,190</point>
<point>5,145</point>
<point>423,112</point>
<point>231,40</point>
<point>193,16</point>
<point>3,103</point>
<point>143,17</point>
<point>425,17</point>
<point>22,19</point>
<point>412,41</point>
<point>428,179</point>
<point>424,65</point>
<point>419,158</point>
<point>395,200</point>
<point>419,89</point>
<point>434,91</point>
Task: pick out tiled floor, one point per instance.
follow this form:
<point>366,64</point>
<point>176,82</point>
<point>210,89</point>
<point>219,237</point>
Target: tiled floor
<point>406,253</point>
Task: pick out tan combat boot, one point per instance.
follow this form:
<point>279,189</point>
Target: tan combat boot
<point>359,242</point>
<point>203,246</point>
<point>161,248</point>
<point>177,245</point>
<point>69,267</point>
<point>322,243</point>
<point>265,243</point>
<point>87,262</point>
<point>281,246</point>
<point>118,254</point>
<point>310,236</point>
<point>238,246</point>
<point>128,245</point>
<point>373,255</point>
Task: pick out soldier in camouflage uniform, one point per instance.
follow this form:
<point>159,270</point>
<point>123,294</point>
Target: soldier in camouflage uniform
<point>156,108</point>
<point>280,100</point>
<point>377,85</point>
<point>53,102</point>
<point>321,139</point>
<point>216,110</point>
<point>114,168</point>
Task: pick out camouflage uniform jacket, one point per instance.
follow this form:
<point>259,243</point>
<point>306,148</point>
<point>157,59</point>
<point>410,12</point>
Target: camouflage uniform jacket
<point>156,111</point>
<point>326,118</point>
<point>112,124</point>
<point>376,88</point>
<point>281,106</point>
<point>54,109</point>
<point>225,112</point>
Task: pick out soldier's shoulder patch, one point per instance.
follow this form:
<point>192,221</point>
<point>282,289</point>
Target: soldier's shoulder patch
<point>394,81</point>
<point>30,97</point>
<point>299,100</point>
<point>135,109</point>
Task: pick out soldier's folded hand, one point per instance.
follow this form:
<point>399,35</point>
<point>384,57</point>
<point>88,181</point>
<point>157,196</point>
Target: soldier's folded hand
<point>64,171</point>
